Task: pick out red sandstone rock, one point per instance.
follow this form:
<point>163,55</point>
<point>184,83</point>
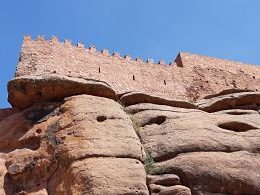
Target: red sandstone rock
<point>42,143</point>
<point>229,101</point>
<point>4,113</point>
<point>172,190</point>
<point>226,92</point>
<point>2,173</point>
<point>164,180</point>
<point>165,134</point>
<point>148,106</point>
<point>136,98</point>
<point>103,176</point>
<point>24,91</point>
<point>71,136</point>
<point>170,134</point>
<point>175,190</point>
<point>217,172</point>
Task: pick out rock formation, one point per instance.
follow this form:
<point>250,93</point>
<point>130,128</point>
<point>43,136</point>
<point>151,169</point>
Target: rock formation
<point>77,127</point>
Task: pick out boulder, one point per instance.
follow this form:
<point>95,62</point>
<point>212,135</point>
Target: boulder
<point>227,91</point>
<point>164,179</point>
<point>229,101</point>
<point>132,109</point>
<point>19,130</point>
<point>175,190</point>
<point>90,126</point>
<point>138,97</point>
<point>2,174</point>
<point>237,112</point>
<point>194,142</point>
<point>172,190</point>
<point>166,134</point>
<point>217,172</point>
<point>4,113</point>
<point>103,176</point>
<point>43,144</point>
<point>26,90</point>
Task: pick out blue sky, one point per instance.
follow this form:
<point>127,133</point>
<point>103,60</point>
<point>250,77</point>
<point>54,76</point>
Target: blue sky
<point>155,29</point>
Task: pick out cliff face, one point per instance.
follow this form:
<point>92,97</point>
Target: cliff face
<point>71,134</point>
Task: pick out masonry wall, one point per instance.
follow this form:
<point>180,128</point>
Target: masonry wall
<point>189,77</point>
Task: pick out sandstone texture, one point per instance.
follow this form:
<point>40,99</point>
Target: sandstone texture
<point>135,97</point>
<point>24,91</point>
<point>86,122</point>
<point>46,147</point>
<point>210,152</point>
<point>229,101</point>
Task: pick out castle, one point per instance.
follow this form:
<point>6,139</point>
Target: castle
<point>190,76</point>
<point>86,122</point>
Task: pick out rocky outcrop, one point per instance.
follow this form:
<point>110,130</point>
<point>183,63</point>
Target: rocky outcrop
<point>104,176</point>
<point>217,172</point>
<point>137,97</point>
<point>4,113</point>
<point>173,190</point>
<point>86,144</point>
<point>164,180</point>
<point>230,101</point>
<point>208,151</point>
<point>69,134</point>
<point>54,142</point>
<point>25,90</point>
<point>166,184</point>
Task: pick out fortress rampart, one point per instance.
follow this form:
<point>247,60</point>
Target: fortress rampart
<point>190,76</point>
<point>74,129</point>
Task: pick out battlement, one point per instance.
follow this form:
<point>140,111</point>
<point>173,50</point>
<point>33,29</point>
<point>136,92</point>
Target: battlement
<point>54,42</point>
<point>188,76</point>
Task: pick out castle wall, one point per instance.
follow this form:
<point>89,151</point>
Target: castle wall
<point>189,77</point>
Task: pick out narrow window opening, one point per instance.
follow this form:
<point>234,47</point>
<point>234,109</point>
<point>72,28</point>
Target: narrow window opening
<point>134,77</point>
<point>164,82</point>
<point>99,70</point>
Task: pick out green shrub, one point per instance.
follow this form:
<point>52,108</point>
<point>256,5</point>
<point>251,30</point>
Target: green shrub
<point>150,167</point>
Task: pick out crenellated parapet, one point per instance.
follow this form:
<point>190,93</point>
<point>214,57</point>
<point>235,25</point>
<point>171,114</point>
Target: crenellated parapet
<point>54,41</point>
<point>189,76</point>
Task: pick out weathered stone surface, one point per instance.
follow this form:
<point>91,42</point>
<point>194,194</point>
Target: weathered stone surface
<point>136,97</point>
<point>104,176</point>
<point>217,172</point>
<point>164,180</point>
<point>92,126</point>
<point>67,134</point>
<point>172,190</point>
<point>155,189</point>
<point>226,92</point>
<point>169,133</point>
<point>166,134</point>
<point>149,106</point>
<point>43,143</point>
<point>19,130</point>
<point>28,171</point>
<point>229,101</point>
<point>4,113</point>
<point>237,112</point>
<point>175,190</point>
<point>2,173</point>
<point>26,90</point>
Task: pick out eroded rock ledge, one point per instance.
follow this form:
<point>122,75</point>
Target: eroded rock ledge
<point>26,90</point>
<point>84,145</point>
<point>73,136</point>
